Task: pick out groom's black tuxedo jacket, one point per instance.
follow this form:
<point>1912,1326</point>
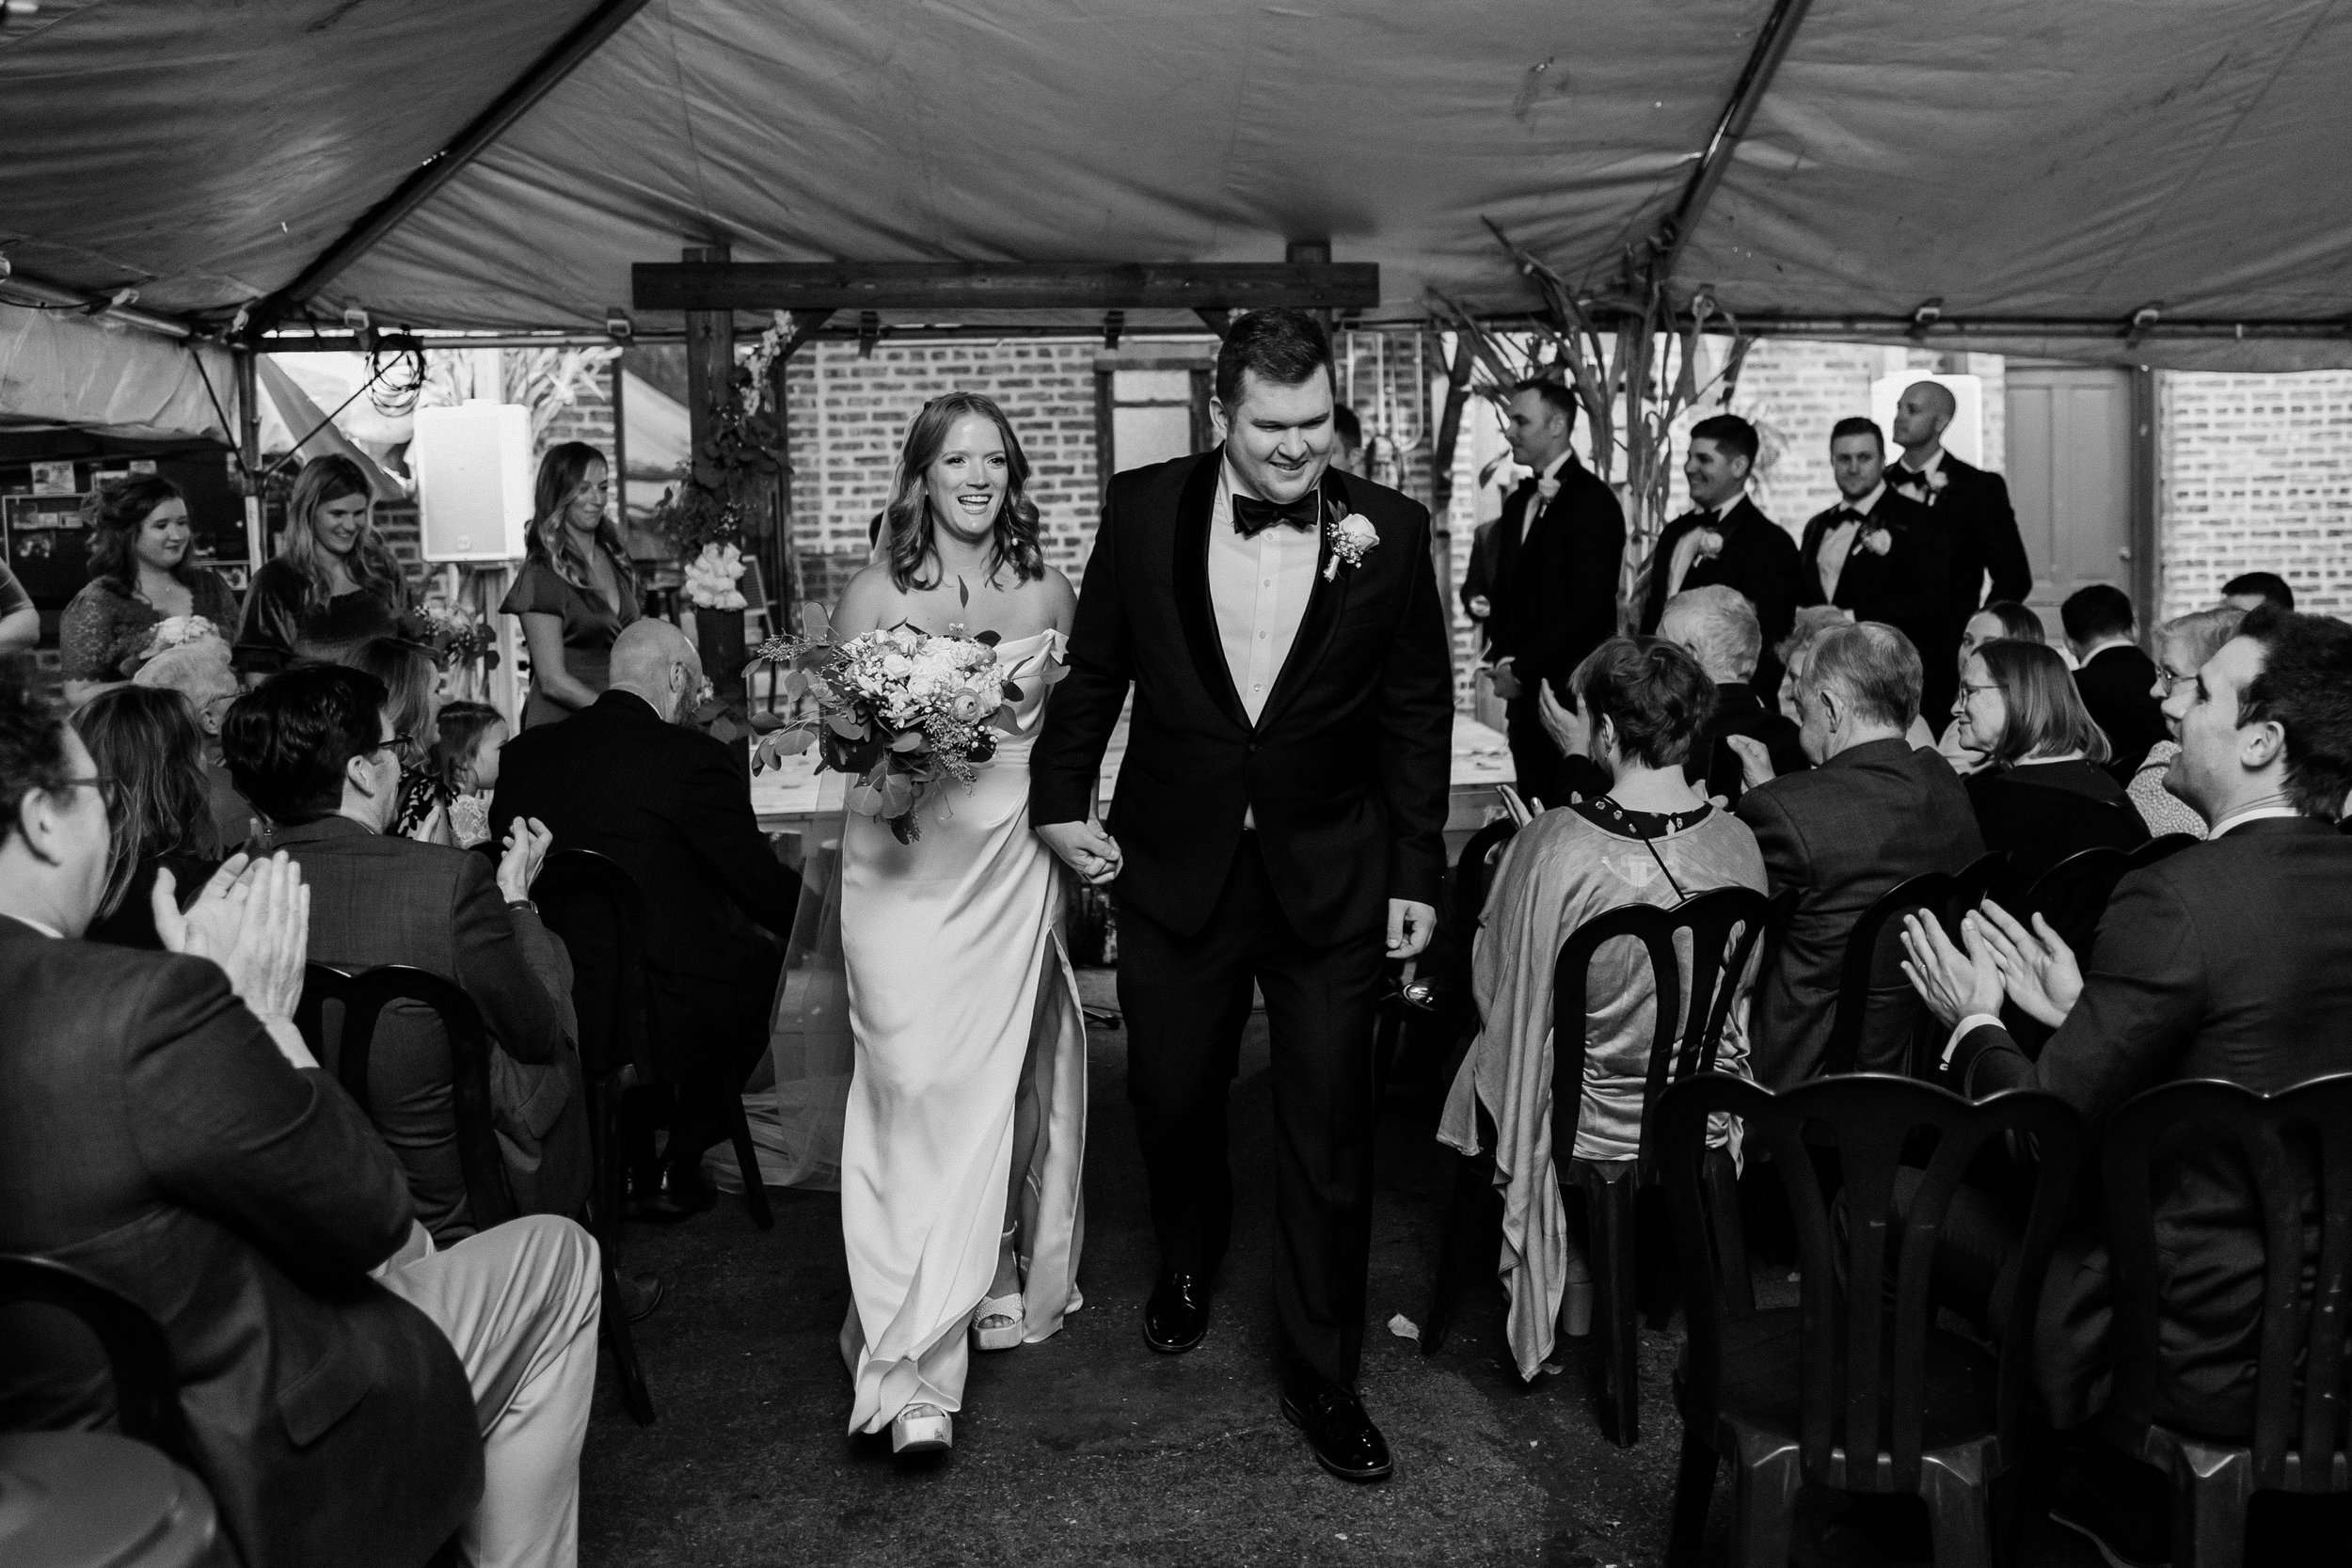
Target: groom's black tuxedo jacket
<point>1347,767</point>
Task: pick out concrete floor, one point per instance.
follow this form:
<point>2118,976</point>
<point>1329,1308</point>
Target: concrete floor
<point>1087,1448</point>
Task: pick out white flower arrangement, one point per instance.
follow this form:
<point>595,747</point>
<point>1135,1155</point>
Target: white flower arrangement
<point>1353,537</point>
<point>177,631</point>
<point>711,577</point>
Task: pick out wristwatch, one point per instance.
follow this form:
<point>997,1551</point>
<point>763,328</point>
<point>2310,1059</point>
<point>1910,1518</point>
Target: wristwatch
<point>522,904</point>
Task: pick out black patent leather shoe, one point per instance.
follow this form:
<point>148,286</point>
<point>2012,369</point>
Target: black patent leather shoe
<point>688,1187</point>
<point>1342,1437</point>
<point>646,1199</point>
<point>1177,1315</point>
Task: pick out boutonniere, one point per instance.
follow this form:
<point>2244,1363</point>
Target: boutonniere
<point>1878,541</point>
<point>1937,479</point>
<point>1352,539</point>
<point>1710,541</point>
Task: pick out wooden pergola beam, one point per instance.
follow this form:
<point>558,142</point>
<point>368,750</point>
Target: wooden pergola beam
<point>959,286</point>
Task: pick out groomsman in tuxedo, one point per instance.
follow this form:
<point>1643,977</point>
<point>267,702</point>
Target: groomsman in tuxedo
<point>1557,550</point>
<point>1979,529</point>
<point>1726,539</point>
<point>1875,553</point>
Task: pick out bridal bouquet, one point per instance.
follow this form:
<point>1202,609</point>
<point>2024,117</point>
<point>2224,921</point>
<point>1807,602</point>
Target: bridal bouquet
<point>177,631</point>
<point>901,710</point>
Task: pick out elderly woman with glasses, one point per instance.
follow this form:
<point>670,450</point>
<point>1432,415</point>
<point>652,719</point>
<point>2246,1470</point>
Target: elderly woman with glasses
<point>2183,646</point>
<point>2042,794</point>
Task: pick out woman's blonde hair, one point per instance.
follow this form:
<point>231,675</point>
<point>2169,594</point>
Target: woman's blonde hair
<point>2046,716</point>
<point>372,564</point>
<point>561,471</point>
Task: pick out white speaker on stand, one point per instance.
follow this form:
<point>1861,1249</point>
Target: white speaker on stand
<point>472,463</point>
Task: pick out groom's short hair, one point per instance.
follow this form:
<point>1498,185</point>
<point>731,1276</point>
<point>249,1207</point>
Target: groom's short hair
<point>1283,346</point>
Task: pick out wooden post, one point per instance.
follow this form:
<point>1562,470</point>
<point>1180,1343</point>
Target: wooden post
<point>249,437</point>
<point>710,380</point>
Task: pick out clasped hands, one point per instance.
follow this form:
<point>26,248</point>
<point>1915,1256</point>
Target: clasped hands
<point>253,919</point>
<point>1998,957</point>
<point>1093,854</point>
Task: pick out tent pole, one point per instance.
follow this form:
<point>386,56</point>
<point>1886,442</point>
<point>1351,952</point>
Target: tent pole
<point>1755,78</point>
<point>542,77</point>
<point>248,434</point>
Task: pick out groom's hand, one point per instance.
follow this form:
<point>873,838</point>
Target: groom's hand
<point>1085,848</point>
<point>1411,926</point>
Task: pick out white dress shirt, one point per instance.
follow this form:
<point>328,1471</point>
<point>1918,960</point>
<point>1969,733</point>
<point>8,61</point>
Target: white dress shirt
<point>1838,543</point>
<point>1259,588</point>
<point>1686,548</point>
<point>1546,486</point>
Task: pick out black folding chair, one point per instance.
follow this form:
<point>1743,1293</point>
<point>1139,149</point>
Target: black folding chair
<point>1854,1388</point>
<point>2296,1146</point>
<point>363,997</point>
<point>1437,996</point>
<point>1872,969</point>
<point>2073,893</point>
<point>146,1386</point>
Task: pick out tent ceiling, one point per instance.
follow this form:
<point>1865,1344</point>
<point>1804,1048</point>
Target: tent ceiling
<point>2035,161</point>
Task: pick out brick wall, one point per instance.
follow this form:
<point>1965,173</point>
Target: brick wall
<point>2255,473</point>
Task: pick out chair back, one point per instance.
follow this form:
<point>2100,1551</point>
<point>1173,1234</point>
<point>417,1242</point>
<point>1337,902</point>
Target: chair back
<point>2296,1146</point>
<point>593,903</point>
<point>1472,876</point>
<point>146,1386</point>
<point>364,998</point>
<point>2073,893</point>
<point>2161,848</point>
<point>1865,1308</point>
<point>1872,967</point>
<point>1724,925</point>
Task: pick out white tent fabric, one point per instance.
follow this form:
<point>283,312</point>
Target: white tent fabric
<point>2037,161</point>
<point>61,371</point>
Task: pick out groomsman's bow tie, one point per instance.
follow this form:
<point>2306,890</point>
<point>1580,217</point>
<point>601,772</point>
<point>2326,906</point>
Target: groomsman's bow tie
<point>1252,517</point>
<point>1905,480</point>
<point>1848,515</point>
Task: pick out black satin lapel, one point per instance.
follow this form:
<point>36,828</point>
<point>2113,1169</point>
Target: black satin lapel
<point>1189,574</point>
<point>1323,604</point>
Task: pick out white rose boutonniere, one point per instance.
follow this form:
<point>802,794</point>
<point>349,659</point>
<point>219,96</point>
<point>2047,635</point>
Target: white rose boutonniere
<point>1352,539</point>
<point>1878,541</point>
<point>1710,542</point>
<point>1937,479</point>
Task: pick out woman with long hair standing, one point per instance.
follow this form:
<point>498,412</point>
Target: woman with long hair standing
<point>143,572</point>
<point>148,747</point>
<point>335,583</point>
<point>576,591</point>
<point>966,1118</point>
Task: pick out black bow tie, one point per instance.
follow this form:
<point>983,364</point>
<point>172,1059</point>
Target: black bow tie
<point>1252,517</point>
<point>1905,480</point>
<point>1848,515</point>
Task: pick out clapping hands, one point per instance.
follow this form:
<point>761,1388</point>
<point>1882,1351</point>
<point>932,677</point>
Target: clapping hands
<point>527,843</point>
<point>1756,760</point>
<point>253,919</point>
<point>2034,969</point>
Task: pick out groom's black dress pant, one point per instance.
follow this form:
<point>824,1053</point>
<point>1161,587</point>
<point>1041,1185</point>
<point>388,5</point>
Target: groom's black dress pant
<point>1187,1000</point>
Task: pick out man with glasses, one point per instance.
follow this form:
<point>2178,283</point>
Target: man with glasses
<point>314,751</point>
<point>165,1132</point>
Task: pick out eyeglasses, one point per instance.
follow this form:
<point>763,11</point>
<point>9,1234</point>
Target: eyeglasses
<point>400,743</point>
<point>1971,691</point>
<point>2172,678</point>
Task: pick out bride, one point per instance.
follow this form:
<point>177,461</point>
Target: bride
<point>966,1121</point>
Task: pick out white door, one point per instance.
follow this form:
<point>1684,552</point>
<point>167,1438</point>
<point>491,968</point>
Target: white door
<point>2071,455</point>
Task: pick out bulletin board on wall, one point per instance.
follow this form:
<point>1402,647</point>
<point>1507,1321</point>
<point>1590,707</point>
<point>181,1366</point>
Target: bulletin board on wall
<point>47,506</point>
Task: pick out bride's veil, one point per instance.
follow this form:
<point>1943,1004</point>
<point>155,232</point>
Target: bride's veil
<point>796,1123</point>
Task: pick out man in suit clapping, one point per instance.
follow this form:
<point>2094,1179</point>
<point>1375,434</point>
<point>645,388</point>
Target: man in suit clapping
<point>1556,552</point>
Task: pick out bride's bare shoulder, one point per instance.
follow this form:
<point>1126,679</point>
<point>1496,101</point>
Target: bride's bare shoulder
<point>1060,599</point>
<point>871,600</point>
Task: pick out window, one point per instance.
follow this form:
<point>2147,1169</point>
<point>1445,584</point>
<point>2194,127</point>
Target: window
<point>1149,413</point>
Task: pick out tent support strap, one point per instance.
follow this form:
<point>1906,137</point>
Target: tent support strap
<point>1756,79</point>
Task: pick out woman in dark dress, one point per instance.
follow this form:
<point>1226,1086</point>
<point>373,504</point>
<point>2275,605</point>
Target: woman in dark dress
<point>2042,795</point>
<point>575,591</point>
<point>143,572</point>
<point>151,752</point>
<point>335,583</point>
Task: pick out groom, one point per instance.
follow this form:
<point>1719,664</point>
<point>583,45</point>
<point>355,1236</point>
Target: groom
<point>1277,821</point>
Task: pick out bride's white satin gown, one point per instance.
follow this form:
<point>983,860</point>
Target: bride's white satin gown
<point>961,1000</point>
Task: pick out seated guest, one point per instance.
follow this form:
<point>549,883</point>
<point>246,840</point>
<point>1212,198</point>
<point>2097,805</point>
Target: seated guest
<point>1652,839</point>
<point>148,751</point>
<point>2040,794</point>
<point>335,583</point>
<point>1717,625</point>
<point>2183,646</point>
<point>352,1396</point>
<point>2005,619</point>
<point>202,673</point>
<point>143,572</point>
<point>312,750</point>
<point>2113,675</point>
<point>2251,590</point>
<point>1805,626</point>
<point>1874,811</point>
<point>674,807</point>
<point>464,765</point>
<point>410,677</point>
<point>2231,959</point>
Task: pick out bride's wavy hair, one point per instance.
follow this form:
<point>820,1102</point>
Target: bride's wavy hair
<point>907,519</point>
